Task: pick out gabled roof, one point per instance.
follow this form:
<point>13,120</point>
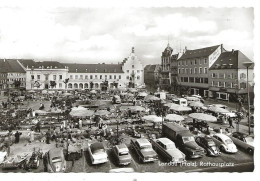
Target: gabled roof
<point>44,64</point>
<point>202,52</point>
<point>10,65</point>
<point>94,68</point>
<point>230,60</point>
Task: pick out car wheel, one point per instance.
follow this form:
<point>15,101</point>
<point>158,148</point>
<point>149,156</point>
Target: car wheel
<point>222,149</point>
<point>250,151</point>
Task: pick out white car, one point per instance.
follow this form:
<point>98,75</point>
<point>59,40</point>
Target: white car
<point>224,143</point>
<point>97,153</point>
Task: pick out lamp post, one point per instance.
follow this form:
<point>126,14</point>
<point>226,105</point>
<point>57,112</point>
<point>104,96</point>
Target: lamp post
<point>247,65</point>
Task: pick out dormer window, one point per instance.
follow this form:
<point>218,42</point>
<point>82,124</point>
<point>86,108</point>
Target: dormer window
<point>96,70</point>
<point>40,67</point>
<point>105,70</point>
<point>56,67</point>
<point>86,70</point>
<point>115,70</point>
<point>76,70</point>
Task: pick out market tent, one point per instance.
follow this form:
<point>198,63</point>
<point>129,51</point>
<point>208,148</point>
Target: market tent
<point>137,108</point>
<point>196,104</point>
<point>203,117</point>
<point>180,108</point>
<point>217,109</point>
<point>40,112</point>
<point>102,112</point>
<point>153,118</point>
<point>142,94</point>
<point>81,112</point>
<point>151,98</point>
<point>174,117</point>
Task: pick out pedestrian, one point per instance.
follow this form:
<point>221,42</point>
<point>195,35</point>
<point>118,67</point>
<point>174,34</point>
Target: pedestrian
<point>38,126</point>
<point>48,136</point>
<point>17,137</point>
<point>230,123</point>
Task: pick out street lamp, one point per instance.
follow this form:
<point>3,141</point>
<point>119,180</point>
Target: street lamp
<point>247,65</point>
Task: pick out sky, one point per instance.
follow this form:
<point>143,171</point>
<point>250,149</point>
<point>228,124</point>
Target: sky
<point>97,35</point>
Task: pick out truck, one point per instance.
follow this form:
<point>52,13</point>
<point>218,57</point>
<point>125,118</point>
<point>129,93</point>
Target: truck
<point>183,139</point>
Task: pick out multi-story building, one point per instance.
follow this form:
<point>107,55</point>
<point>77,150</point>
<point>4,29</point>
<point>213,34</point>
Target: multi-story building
<point>13,76</point>
<point>228,76</point>
<point>193,66</point>
<point>40,75</point>
<point>151,76</point>
<point>134,70</point>
<point>85,76</point>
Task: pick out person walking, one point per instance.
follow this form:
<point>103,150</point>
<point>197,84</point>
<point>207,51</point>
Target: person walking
<point>17,137</point>
<point>48,136</point>
<point>80,123</point>
<point>230,121</point>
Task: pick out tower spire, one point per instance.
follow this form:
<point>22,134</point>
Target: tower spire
<point>168,45</point>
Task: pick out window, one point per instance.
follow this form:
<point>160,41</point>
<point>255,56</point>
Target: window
<point>71,77</point>
<point>213,75</point>
<point>100,76</point>
<point>127,71</point>
<point>206,80</point>
<point>205,70</point>
<point>91,76</point>
<point>38,77</point>
<point>114,76</point>
<point>191,62</point>
<point>242,85</point>
<point>195,61</point>
<point>119,76</point>
<point>201,61</point>
<point>219,84</point>
<point>81,77</point>
<point>205,61</point>
<point>224,84</point>
<point>197,80</point>
<point>86,76</point>
<point>179,71</point>
<point>105,76</point>
<point>133,66</point>
<point>191,71</point>
<point>200,70</point>
<point>185,79</point>
<point>195,70</point>
<point>127,77</point>
<point>46,77</point>
<point>96,76</point>
<point>60,85</point>
<point>138,71</point>
<point>110,76</point>
<point>186,71</point>
<point>179,62</point>
<point>183,71</point>
<point>186,62</point>
<point>191,79</point>
<point>32,77</point>
<point>138,77</point>
<point>76,77</point>
<point>181,79</point>
<point>60,77</point>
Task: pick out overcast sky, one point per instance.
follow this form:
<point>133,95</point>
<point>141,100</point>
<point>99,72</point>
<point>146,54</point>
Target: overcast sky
<point>92,35</point>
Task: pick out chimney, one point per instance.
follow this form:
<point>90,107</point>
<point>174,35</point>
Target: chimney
<point>232,51</point>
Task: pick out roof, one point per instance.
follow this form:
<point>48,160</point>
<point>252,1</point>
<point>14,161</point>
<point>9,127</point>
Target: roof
<point>122,148</point>
<point>10,65</point>
<point>231,60</point>
<point>202,52</point>
<point>222,136</point>
<point>94,68</point>
<point>44,64</point>
<point>151,68</point>
<point>96,146</point>
<point>165,141</point>
<point>143,142</point>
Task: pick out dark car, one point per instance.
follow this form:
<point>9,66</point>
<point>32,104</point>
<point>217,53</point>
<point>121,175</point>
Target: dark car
<point>208,144</point>
<point>54,160</point>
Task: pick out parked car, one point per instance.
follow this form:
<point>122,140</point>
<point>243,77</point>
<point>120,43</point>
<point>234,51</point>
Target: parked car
<point>144,150</point>
<point>16,161</point>
<point>166,148</point>
<point>208,144</point>
<point>122,155</point>
<point>243,141</point>
<point>54,160</point>
<point>224,143</point>
<point>97,153</point>
<point>3,156</point>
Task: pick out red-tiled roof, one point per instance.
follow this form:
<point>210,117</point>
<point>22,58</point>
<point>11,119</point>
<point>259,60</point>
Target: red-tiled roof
<point>202,52</point>
<point>231,60</point>
<point>94,68</point>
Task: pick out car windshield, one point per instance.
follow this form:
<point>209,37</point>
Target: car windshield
<point>211,143</point>
<point>187,139</point>
<point>228,141</point>
<point>123,153</point>
<point>146,147</point>
<point>171,146</point>
<point>56,159</point>
<point>99,151</point>
<point>249,139</point>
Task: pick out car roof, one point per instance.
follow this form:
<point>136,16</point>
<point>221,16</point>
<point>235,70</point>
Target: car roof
<point>143,141</point>
<point>121,148</point>
<point>165,141</point>
<point>222,136</point>
<point>96,146</point>
<point>55,152</point>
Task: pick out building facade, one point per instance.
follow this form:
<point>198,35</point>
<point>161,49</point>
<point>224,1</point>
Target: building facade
<point>151,76</point>
<point>94,76</point>
<point>193,66</point>
<point>134,70</point>
<point>228,76</point>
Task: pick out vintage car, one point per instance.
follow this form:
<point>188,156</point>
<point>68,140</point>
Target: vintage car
<point>224,143</point>
<point>144,150</point>
<point>34,161</point>
<point>208,144</point>
<point>97,153</point>
<point>243,141</point>
<point>122,155</point>
<point>3,156</point>
<point>166,148</point>
<point>16,161</point>
<point>54,160</point>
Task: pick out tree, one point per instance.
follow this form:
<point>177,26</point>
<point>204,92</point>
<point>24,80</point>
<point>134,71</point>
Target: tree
<point>53,83</point>
<point>17,83</point>
<point>66,82</point>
